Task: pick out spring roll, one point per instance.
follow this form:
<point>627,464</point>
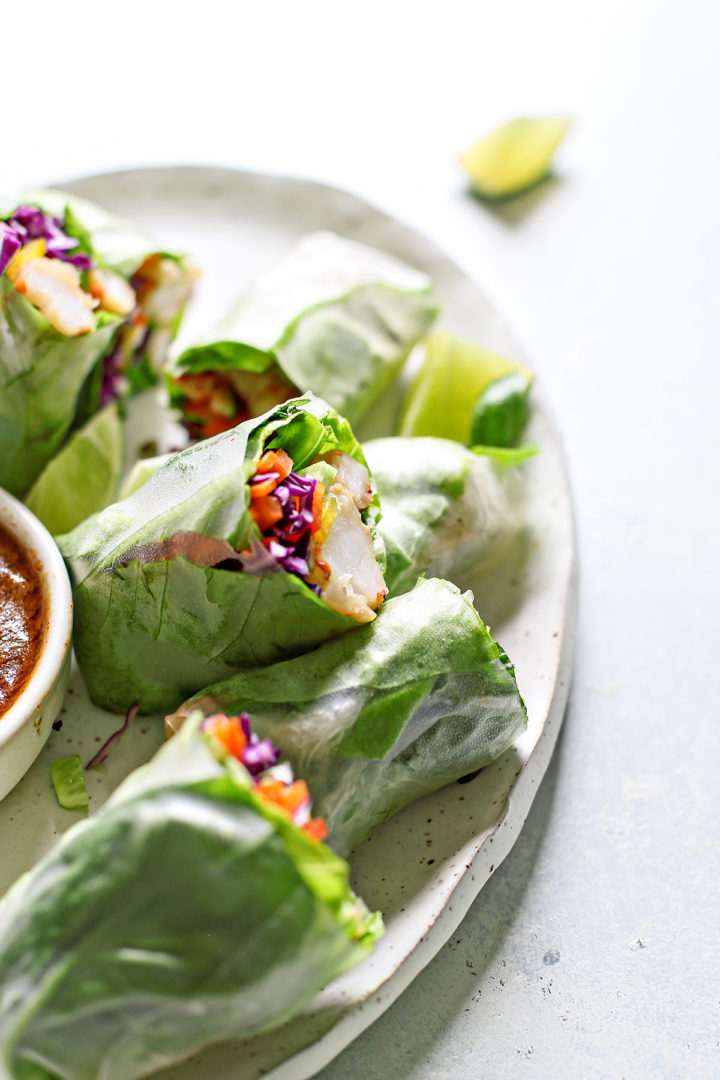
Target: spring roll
<point>198,904</point>
<point>447,512</point>
<point>241,550</point>
<point>409,703</point>
<point>333,316</point>
<point>87,311</point>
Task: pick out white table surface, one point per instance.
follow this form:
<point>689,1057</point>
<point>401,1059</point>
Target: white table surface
<point>593,951</point>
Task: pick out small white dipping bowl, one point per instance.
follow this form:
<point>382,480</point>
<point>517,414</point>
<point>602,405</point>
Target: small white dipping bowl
<point>25,726</point>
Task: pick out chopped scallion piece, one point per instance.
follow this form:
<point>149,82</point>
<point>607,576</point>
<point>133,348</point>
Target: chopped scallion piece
<point>68,777</point>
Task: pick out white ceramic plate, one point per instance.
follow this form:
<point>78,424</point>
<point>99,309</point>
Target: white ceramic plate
<point>423,868</point>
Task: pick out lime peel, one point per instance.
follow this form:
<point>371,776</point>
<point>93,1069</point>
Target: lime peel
<point>453,374</point>
<point>514,157</point>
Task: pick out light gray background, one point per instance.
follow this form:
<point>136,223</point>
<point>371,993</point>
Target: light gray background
<point>593,951</point>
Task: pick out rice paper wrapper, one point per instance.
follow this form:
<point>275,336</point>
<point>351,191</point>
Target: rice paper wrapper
<point>156,618</point>
<point>184,912</point>
<point>373,720</point>
<point>335,316</point>
<point>447,512</point>
<point>42,375</point>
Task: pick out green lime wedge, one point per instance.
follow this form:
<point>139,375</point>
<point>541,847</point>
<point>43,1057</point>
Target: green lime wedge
<point>454,372</point>
<point>515,157</point>
<point>83,477</point>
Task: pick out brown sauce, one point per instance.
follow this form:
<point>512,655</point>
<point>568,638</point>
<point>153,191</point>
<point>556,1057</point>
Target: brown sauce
<point>22,617</point>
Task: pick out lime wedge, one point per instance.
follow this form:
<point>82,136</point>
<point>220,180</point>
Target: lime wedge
<point>515,157</point>
<point>83,477</point>
<point>454,372</point>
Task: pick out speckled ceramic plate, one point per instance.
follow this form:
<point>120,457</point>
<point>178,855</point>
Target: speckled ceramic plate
<point>423,868</point>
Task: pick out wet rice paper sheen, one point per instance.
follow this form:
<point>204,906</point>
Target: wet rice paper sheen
<point>184,912</point>
<point>42,374</point>
<point>154,632</point>
<point>446,511</point>
<point>336,316</point>
<point>373,720</point>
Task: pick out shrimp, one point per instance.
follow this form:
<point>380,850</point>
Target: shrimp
<point>54,288</point>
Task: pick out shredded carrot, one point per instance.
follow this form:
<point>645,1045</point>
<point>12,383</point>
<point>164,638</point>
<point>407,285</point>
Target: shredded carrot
<point>275,461</point>
<point>263,488</point>
<point>295,795</point>
<point>268,790</point>
<point>318,496</point>
<point>198,387</point>
<point>217,424</point>
<point>270,786</point>
<point>228,731</point>
<point>287,797</point>
<point>266,510</point>
<point>316,828</point>
<point>204,416</point>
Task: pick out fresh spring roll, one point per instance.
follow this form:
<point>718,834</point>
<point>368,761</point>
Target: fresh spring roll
<point>333,316</point>
<point>446,510</point>
<point>374,720</point>
<point>241,550</point>
<point>88,308</point>
<point>198,904</point>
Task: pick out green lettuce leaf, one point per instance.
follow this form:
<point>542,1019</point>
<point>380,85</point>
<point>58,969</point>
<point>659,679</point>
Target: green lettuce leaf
<point>84,476</point>
<point>184,912</point>
<point>42,373</point>
<point>445,511</point>
<point>334,316</point>
<point>152,626</point>
<point>373,720</point>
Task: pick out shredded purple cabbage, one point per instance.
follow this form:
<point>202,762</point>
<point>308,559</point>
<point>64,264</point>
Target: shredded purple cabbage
<point>290,536</point>
<point>10,242</point>
<point>107,745</point>
<point>31,223</point>
<point>115,368</point>
<point>113,381</point>
<point>259,754</point>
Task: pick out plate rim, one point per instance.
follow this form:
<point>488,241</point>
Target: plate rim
<point>307,1061</point>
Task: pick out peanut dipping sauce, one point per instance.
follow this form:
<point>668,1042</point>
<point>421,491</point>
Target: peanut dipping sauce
<point>22,617</point>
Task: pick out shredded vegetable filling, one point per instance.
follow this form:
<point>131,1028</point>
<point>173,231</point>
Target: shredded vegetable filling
<point>277,788</point>
<point>61,278</point>
<point>317,532</point>
<point>215,401</point>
